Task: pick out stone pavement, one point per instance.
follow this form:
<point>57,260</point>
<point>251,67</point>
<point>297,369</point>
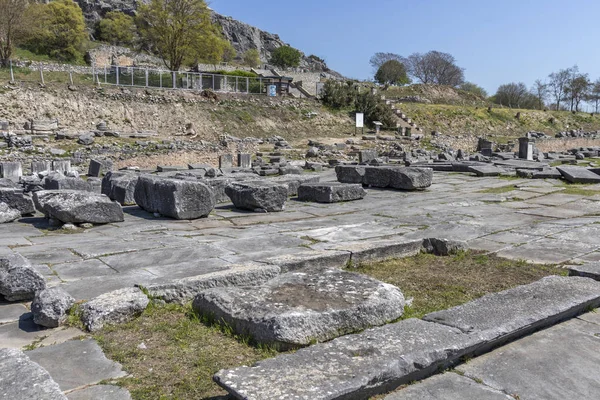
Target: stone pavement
<point>534,221</point>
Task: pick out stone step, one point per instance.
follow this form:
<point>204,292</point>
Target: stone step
<point>579,175</point>
<point>354,366</point>
<point>23,379</point>
<point>588,270</point>
<point>501,317</point>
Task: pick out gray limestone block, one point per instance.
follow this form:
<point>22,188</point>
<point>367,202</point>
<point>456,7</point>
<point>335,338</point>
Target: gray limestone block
<point>331,192</point>
<point>23,379</point>
<point>58,181</point>
<point>175,198</point>
<point>504,316</point>
<point>313,260</point>
<point>73,206</point>
<point>15,198</point>
<point>100,392</point>
<point>354,366</point>
<point>50,307</point>
<point>293,182</point>
<point>444,247</point>
<point>114,307</point>
<point>183,290</point>
<point>350,173</point>
<point>485,170</point>
<point>448,386</point>
<point>7,183</point>
<point>18,279</point>
<point>120,186</point>
<point>8,214</point>
<point>587,270</point>
<point>374,250</point>
<point>298,308</point>
<point>258,195</point>
<point>218,186</point>
<point>379,177</point>
<point>578,175</point>
<point>99,167</point>
<point>411,178</point>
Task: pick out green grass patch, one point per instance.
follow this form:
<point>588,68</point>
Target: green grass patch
<point>438,283</point>
<point>578,189</point>
<point>498,190</point>
<point>182,353</point>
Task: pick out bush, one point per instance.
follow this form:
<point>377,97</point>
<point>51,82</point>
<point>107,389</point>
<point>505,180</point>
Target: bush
<point>285,57</point>
<point>117,28</point>
<point>251,58</point>
<point>392,72</point>
<point>237,72</point>
<point>57,29</point>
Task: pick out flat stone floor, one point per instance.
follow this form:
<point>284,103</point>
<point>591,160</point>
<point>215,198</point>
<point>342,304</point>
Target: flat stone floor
<point>533,222</point>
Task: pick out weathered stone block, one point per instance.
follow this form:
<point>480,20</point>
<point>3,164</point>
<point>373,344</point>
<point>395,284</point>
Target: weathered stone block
<point>73,206</point>
<point>115,307</point>
<point>120,186</point>
<point>11,170</point>
<point>330,192</point>
<point>244,160</point>
<point>578,175</point>
<point>296,309</point>
<point>40,166</point>
<point>174,198</point>
<point>8,214</point>
<point>16,199</point>
<point>226,161</point>
<point>18,280</point>
<point>99,167</point>
<point>350,173</point>
<point>62,166</point>
<point>50,307</point>
<point>258,195</point>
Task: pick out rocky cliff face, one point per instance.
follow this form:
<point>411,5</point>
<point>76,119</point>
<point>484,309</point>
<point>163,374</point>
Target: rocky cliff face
<point>242,36</point>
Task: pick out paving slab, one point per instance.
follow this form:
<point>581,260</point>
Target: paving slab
<point>297,308</point>
<point>485,170</point>
<point>354,366</point>
<point>448,386</point>
<point>85,364</point>
<point>547,251</point>
<point>100,392</point>
<point>579,175</point>
<point>507,315</point>
<point>11,312</point>
<point>558,363</point>
<point>23,379</point>
<point>313,259</point>
<point>588,270</point>
<point>82,269</point>
<point>15,335</point>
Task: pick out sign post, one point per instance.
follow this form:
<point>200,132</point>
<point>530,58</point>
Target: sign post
<point>360,123</point>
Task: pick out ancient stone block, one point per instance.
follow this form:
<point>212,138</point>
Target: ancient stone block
<point>258,195</point>
<point>330,192</point>
<point>15,198</point>
<point>115,307</point>
<point>18,280</point>
<point>73,206</point>
<point>50,307</point>
<point>11,170</point>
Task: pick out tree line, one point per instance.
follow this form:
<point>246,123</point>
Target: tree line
<point>180,32</point>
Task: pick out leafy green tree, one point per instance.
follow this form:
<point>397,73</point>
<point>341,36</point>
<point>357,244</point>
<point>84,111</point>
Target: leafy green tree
<point>251,58</point>
<point>211,49</point>
<point>117,28</point>
<point>229,52</point>
<point>285,57</point>
<point>179,31</point>
<point>392,72</point>
<point>12,27</point>
<point>58,29</point>
<point>475,89</point>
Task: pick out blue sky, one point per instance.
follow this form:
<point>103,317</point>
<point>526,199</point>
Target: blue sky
<point>495,41</point>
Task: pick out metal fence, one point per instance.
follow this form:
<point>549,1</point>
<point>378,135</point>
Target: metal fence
<point>153,78</point>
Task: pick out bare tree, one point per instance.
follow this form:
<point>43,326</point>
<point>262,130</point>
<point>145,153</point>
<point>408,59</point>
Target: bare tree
<point>540,91</point>
<point>557,85</point>
<point>435,67</point>
<point>577,88</point>
<point>594,94</point>
<point>380,58</point>
<point>515,95</point>
<point>12,27</point>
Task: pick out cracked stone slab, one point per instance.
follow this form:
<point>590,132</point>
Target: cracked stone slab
<point>24,379</point>
<point>588,270</point>
<point>85,364</point>
<point>504,316</point>
<point>296,309</point>
<point>557,363</point>
<point>313,259</point>
<point>373,250</point>
<point>353,366</point>
<point>184,290</point>
<point>446,387</point>
<point>100,392</point>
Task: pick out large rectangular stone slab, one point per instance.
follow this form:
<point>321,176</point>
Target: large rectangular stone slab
<point>588,270</point>
<point>314,259</point>
<point>354,366</point>
<point>23,379</point>
<point>297,308</point>
<point>578,175</point>
<point>485,170</point>
<point>374,250</point>
<point>330,192</point>
<point>507,315</point>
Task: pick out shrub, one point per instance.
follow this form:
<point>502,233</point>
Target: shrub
<point>285,57</point>
<point>251,58</point>
<point>117,28</point>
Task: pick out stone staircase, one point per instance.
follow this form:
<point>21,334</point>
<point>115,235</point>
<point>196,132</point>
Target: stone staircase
<point>404,123</point>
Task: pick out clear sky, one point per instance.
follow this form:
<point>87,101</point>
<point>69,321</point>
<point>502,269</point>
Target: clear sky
<point>496,42</point>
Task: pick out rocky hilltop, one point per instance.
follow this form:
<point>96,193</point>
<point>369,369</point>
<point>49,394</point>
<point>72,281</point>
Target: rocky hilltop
<point>242,36</point>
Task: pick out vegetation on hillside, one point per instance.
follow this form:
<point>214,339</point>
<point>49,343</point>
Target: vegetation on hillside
<point>285,57</point>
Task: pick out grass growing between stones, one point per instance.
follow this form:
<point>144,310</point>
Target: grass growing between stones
<point>437,283</point>
<point>179,354</point>
<point>498,190</point>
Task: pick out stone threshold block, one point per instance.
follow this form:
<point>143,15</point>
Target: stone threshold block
<point>184,290</point>
<point>588,270</point>
<point>578,175</point>
<point>354,366</point>
<point>112,308</point>
<point>330,192</point>
<point>376,250</point>
<point>258,195</point>
<point>485,170</point>
<point>505,316</point>
<point>300,308</point>
<point>312,259</point>
<point>23,379</point>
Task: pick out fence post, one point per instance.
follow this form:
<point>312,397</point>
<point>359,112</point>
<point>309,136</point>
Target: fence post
<point>71,74</point>
<point>42,73</point>
<point>247,85</point>
<point>12,76</point>
<point>117,69</point>
<point>105,75</point>
<point>259,85</point>
<point>201,82</point>
<point>132,73</point>
<point>174,79</point>
<point>146,76</point>
<point>160,78</point>
<point>213,82</point>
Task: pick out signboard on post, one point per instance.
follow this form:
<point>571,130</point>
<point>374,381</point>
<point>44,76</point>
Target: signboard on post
<point>272,91</point>
<point>360,122</point>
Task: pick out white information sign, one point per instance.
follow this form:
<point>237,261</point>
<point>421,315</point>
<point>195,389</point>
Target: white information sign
<point>360,120</point>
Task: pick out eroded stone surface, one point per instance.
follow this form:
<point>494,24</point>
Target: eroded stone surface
<point>100,392</point>
<point>331,192</point>
<point>353,366</point>
<point>18,279</point>
<point>73,206</point>
<point>588,270</point>
<point>258,195</point>
<point>23,379</point>
<point>298,308</point>
<point>113,308</point>
<point>8,214</point>
<point>50,307</point>
<point>16,199</point>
